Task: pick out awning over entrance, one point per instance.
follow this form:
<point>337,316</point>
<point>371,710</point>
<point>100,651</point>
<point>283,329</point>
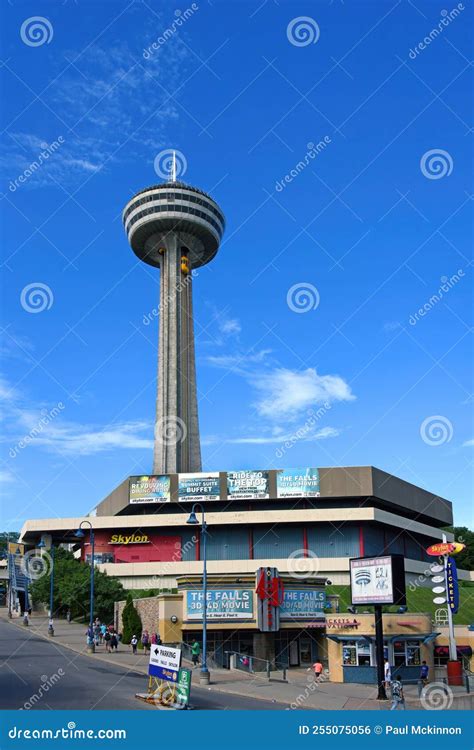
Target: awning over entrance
<point>424,637</point>
<point>444,650</point>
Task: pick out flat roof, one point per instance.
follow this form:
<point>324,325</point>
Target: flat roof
<point>360,482</point>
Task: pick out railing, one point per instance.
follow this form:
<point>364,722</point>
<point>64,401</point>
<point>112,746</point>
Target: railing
<point>186,652</point>
<point>255,665</point>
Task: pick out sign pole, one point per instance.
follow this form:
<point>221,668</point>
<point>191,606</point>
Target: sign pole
<point>453,654</point>
<point>381,695</point>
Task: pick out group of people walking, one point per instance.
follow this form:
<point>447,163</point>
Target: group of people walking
<point>146,641</point>
<point>99,633</point>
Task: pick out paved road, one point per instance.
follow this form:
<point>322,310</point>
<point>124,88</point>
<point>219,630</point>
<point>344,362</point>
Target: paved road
<point>40,674</point>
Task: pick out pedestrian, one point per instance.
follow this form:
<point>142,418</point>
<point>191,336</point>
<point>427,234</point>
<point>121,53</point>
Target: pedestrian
<point>107,639</point>
<point>96,634</point>
<point>114,641</point>
<point>90,636</point>
<point>318,670</point>
<point>103,630</point>
<point>387,674</point>
<point>134,643</point>
<point>68,616</point>
<point>424,672</point>
<point>398,699</point>
<point>195,651</point>
<point>156,639</point>
<point>145,641</point>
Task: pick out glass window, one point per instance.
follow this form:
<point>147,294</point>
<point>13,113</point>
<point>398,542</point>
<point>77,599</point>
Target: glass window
<point>413,653</point>
<point>406,653</point>
<point>349,654</point>
<point>363,654</point>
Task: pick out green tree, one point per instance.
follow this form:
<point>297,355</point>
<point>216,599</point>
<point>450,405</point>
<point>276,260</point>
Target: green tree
<point>132,624</point>
<point>464,559</point>
<point>72,588</point>
<point>5,537</point>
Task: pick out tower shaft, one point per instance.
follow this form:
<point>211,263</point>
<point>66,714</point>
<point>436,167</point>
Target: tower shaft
<point>177,445</point>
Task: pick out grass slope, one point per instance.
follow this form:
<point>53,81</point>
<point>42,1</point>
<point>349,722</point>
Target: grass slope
<point>420,600</point>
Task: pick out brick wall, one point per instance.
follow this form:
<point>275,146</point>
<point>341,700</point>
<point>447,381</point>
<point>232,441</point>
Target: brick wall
<point>148,609</point>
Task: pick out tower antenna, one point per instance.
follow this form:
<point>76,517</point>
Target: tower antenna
<point>173,167</point>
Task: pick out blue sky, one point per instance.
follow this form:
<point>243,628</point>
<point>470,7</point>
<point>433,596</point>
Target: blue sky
<point>314,294</point>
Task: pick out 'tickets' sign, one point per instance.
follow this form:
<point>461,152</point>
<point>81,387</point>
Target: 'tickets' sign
<point>453,586</point>
<point>342,623</point>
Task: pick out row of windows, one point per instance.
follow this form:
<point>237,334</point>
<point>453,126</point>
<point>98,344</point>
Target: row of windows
<point>179,209</point>
<point>172,197</point>
<point>399,654</point>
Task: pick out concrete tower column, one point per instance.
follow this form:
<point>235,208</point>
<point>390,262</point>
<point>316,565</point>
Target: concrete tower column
<point>176,228</point>
<point>177,444</point>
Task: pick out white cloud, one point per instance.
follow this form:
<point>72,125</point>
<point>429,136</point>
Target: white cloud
<point>41,425</point>
<point>468,443</point>
<point>86,440</point>
<point>238,362</point>
<point>322,434</point>
<point>6,476</point>
<point>229,326</point>
<point>288,392</point>
<point>112,105</point>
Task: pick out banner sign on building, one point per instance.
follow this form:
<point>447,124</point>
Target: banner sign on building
<point>378,580</point>
<point>300,604</point>
<point>452,585</point>
<point>298,483</point>
<point>152,489</point>
<point>270,593</point>
<point>222,604</point>
<point>165,662</point>
<point>198,487</point>
<point>248,485</point>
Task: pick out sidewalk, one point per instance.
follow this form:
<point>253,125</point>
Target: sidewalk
<point>300,692</point>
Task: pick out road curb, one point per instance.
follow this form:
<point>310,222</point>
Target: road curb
<point>95,656</point>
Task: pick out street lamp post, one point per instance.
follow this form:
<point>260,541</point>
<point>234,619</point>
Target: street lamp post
<point>27,603</point>
<point>204,677</point>
<point>41,546</point>
<point>80,535</point>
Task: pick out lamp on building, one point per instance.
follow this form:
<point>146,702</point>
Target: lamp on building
<point>193,520</point>
<point>174,619</point>
<point>401,610</point>
<point>79,534</point>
